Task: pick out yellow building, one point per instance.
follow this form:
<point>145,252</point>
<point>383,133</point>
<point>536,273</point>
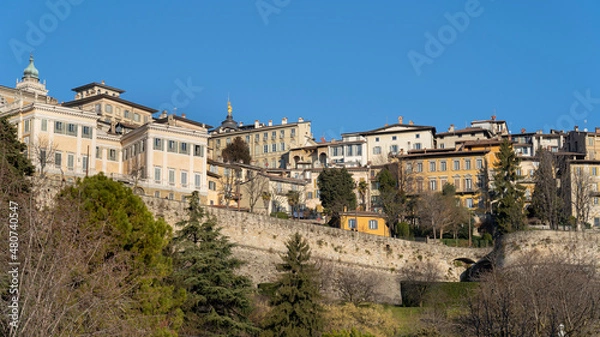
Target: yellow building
<point>364,222</point>
<point>164,157</point>
<point>464,167</point>
<point>269,144</point>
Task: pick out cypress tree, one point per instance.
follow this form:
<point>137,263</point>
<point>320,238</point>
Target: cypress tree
<point>217,302</point>
<point>296,309</point>
<point>509,213</point>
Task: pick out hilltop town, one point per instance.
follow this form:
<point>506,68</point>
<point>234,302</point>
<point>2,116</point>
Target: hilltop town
<point>164,155</point>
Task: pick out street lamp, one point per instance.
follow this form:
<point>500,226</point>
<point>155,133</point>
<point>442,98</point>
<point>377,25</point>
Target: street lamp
<point>561,330</point>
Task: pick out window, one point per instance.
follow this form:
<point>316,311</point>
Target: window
<point>71,129</point>
<point>127,114</point>
<point>442,146</point>
<point>596,222</point>
<point>433,185</point>
<point>228,140</point>
<point>171,196</point>
<point>282,134</point>
<point>256,137</point>
<point>372,224</point>
<point>467,164</point>
<point>57,159</point>
<point>199,150</point>
<point>112,154</point>
<point>44,125</point>
<point>394,137</point>
<point>376,139</point>
<point>98,152</point>
<point>394,149</point>
<point>98,108</point>
<point>212,186</point>
<point>352,223</point>
<point>469,202</point>
<point>157,175</point>
<point>59,127</point>
<point>468,184</point>
<point>377,150</point>
<point>265,148</point>
<point>594,171</point>
<point>479,164</point>
<point>419,167</point>
<point>84,163</point>
<point>146,119</point>
<point>417,136</point>
<point>70,162</point>
<point>349,150</point>
<point>338,151</point>
<point>359,150</point>
<point>273,147</point>
<point>108,108</point>
<point>265,136</point>
<point>136,117</point>
<point>247,139</point>
<point>197,180</point>
<point>86,132</point>
<point>432,166</point>
<point>274,135</point>
<point>218,143</point>
<point>456,165</point>
<point>158,144</point>
<point>172,146</point>
<point>157,194</point>
<point>27,125</point>
<point>309,195</point>
<point>171,177</point>
<point>417,146</point>
<point>457,183</point>
<point>443,166</point>
<point>184,176</point>
<point>282,146</point>
<point>183,148</point>
<point>293,133</point>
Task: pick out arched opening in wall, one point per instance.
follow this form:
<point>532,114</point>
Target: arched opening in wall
<point>138,191</point>
<point>296,161</point>
<point>323,159</point>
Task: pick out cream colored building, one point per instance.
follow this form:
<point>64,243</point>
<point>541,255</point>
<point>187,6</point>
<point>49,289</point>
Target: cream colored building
<point>164,157</point>
<point>269,144</point>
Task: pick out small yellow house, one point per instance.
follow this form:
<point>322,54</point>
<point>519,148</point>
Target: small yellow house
<point>364,222</point>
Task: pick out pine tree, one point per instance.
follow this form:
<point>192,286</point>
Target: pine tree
<point>217,302</point>
<point>509,213</point>
<point>336,191</point>
<point>296,309</point>
<point>12,158</point>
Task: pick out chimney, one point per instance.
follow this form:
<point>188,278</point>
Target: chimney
<point>256,125</point>
<point>597,129</point>
<point>576,128</point>
<point>300,119</point>
<point>400,119</point>
<point>451,128</point>
<point>182,115</point>
<point>523,130</point>
<point>241,124</point>
<point>163,114</point>
<point>284,121</point>
<point>270,122</point>
<point>411,123</point>
<point>493,117</point>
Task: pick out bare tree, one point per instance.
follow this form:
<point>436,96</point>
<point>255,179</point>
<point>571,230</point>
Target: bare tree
<point>546,202</point>
<point>43,151</point>
<point>254,187</point>
<point>416,280</point>
<point>230,181</point>
<point>439,212</point>
<point>356,286</point>
<point>581,197</point>
<point>533,297</point>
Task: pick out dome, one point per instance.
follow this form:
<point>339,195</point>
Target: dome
<point>30,71</point>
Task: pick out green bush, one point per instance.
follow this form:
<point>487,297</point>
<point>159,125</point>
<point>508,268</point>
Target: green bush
<point>347,333</point>
<point>280,215</point>
<point>403,230</point>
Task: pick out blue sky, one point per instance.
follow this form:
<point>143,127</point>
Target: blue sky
<point>346,66</point>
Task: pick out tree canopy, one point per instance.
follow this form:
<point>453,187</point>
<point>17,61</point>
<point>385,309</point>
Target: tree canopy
<point>236,152</point>
<point>510,193</point>
<point>546,202</point>
<point>392,198</point>
<point>217,301</point>
<point>12,152</point>
<point>336,188</point>
<point>296,308</point>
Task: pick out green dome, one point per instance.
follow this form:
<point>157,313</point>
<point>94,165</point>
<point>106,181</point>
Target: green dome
<point>30,71</point>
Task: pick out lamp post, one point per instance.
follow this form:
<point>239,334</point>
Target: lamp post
<point>561,330</point>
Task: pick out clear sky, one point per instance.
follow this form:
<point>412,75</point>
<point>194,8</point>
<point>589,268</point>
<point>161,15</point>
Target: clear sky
<point>345,65</point>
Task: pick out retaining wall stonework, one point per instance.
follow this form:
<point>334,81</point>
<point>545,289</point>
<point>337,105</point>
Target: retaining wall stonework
<point>261,239</point>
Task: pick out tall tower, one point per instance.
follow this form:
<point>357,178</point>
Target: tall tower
<point>31,81</point>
